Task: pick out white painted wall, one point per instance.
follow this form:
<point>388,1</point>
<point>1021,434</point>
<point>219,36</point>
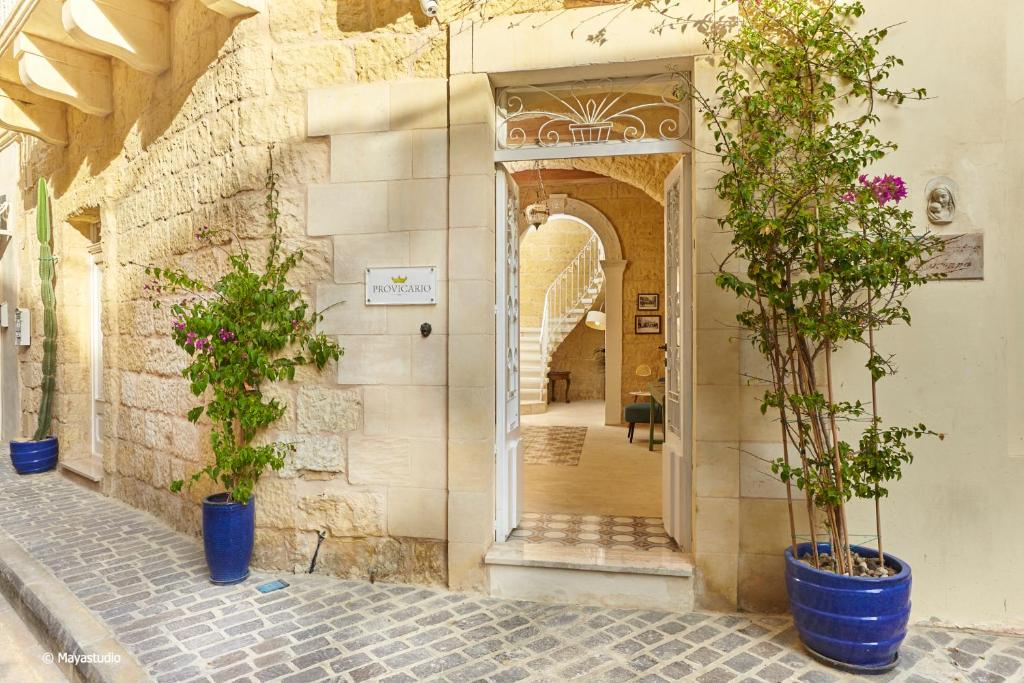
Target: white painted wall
<point>958,516</point>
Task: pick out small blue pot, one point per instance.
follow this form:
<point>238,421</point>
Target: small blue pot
<point>228,531</point>
<point>854,623</point>
<point>29,457</point>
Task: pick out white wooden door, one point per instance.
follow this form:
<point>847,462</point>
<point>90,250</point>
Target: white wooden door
<point>677,456</point>
<point>509,449</point>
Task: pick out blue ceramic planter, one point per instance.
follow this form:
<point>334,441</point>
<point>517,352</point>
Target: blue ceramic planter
<point>855,623</point>
<point>29,457</point>
<point>228,530</point>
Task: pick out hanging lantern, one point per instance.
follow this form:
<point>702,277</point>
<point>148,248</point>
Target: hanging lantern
<point>537,214</point>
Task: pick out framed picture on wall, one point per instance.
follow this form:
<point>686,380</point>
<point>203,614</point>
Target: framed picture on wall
<point>648,324</point>
<point>648,302</point>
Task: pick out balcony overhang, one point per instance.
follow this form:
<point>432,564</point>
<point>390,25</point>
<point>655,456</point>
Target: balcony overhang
<point>56,54</point>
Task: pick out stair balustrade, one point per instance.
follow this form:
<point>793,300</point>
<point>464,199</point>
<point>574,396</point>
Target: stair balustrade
<point>567,300</point>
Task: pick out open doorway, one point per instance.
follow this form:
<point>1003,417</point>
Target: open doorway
<point>82,318</point>
<point>608,164</point>
<point>593,343</point>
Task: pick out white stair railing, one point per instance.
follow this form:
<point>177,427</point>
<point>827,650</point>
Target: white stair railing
<point>579,280</point>
<point>7,9</point>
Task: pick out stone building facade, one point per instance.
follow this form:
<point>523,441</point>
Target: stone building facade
<point>384,130</point>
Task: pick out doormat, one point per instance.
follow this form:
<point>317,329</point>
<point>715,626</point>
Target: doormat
<point>543,445</point>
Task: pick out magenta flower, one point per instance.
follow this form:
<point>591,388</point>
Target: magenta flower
<point>191,338</point>
<point>226,335</point>
<point>178,324</point>
<point>849,197</point>
<point>887,188</point>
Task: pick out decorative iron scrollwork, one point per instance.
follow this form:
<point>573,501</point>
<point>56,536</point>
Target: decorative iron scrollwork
<point>592,112</point>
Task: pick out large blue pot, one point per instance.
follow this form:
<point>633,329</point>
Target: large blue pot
<point>855,623</point>
<point>228,530</point>
<point>29,457</point>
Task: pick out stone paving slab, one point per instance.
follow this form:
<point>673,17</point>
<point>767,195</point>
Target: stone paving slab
<point>149,586</point>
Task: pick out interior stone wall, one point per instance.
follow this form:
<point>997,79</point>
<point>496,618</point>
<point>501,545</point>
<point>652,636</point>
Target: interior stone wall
<point>543,255</point>
<point>639,222</point>
<point>579,354</point>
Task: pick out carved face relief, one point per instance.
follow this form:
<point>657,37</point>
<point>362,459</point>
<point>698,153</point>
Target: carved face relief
<point>941,201</point>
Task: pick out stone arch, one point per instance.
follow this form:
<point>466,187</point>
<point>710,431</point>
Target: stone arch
<point>563,206</point>
<point>644,172</point>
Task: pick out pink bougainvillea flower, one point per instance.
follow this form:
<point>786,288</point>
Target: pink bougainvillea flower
<point>226,335</point>
<point>178,324</point>
<point>887,188</point>
<point>850,197</point>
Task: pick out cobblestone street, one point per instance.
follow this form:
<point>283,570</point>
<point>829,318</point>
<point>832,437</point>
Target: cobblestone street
<point>148,584</point>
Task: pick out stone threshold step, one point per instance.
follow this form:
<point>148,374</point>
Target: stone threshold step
<point>567,575</point>
<point>89,467</point>
<point>67,625</point>
<point>556,556</point>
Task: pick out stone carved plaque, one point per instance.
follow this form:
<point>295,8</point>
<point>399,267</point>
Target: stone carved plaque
<point>963,258</point>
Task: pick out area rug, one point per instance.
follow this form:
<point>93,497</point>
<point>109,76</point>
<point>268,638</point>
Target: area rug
<point>545,445</point>
<point>618,533</point>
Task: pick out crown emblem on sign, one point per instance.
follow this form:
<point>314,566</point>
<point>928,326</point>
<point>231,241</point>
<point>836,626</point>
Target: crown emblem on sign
<point>399,280</point>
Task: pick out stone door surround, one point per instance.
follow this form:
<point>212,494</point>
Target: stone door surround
<point>480,61</point>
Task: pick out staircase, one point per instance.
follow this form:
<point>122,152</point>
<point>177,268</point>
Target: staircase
<point>567,301</point>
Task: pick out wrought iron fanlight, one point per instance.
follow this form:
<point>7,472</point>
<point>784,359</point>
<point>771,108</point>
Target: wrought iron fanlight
<point>592,112</point>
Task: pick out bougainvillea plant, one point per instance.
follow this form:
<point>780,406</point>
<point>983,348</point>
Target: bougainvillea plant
<point>248,328</point>
<point>823,255</point>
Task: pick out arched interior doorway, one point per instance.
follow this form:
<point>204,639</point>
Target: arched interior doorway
<point>612,266</point>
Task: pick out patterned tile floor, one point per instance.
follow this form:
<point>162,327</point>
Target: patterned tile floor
<point>149,584</point>
<point>619,533</point>
<point>553,445</point>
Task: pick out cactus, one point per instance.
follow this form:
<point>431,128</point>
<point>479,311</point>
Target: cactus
<point>46,276</point>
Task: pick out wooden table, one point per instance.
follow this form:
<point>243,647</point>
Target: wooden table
<point>553,377</point>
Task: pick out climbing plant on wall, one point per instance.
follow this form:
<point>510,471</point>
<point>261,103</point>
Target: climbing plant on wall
<point>248,328</point>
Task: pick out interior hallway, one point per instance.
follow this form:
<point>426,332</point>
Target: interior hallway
<point>613,476</point>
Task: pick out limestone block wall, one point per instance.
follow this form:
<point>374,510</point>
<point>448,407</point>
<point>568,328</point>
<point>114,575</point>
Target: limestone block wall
<point>579,354</point>
<point>387,205</point>
<point>186,149</point>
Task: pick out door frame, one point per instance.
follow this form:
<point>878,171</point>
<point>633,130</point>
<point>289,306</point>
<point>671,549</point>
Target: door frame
<point>677,479</point>
<point>96,345</point>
